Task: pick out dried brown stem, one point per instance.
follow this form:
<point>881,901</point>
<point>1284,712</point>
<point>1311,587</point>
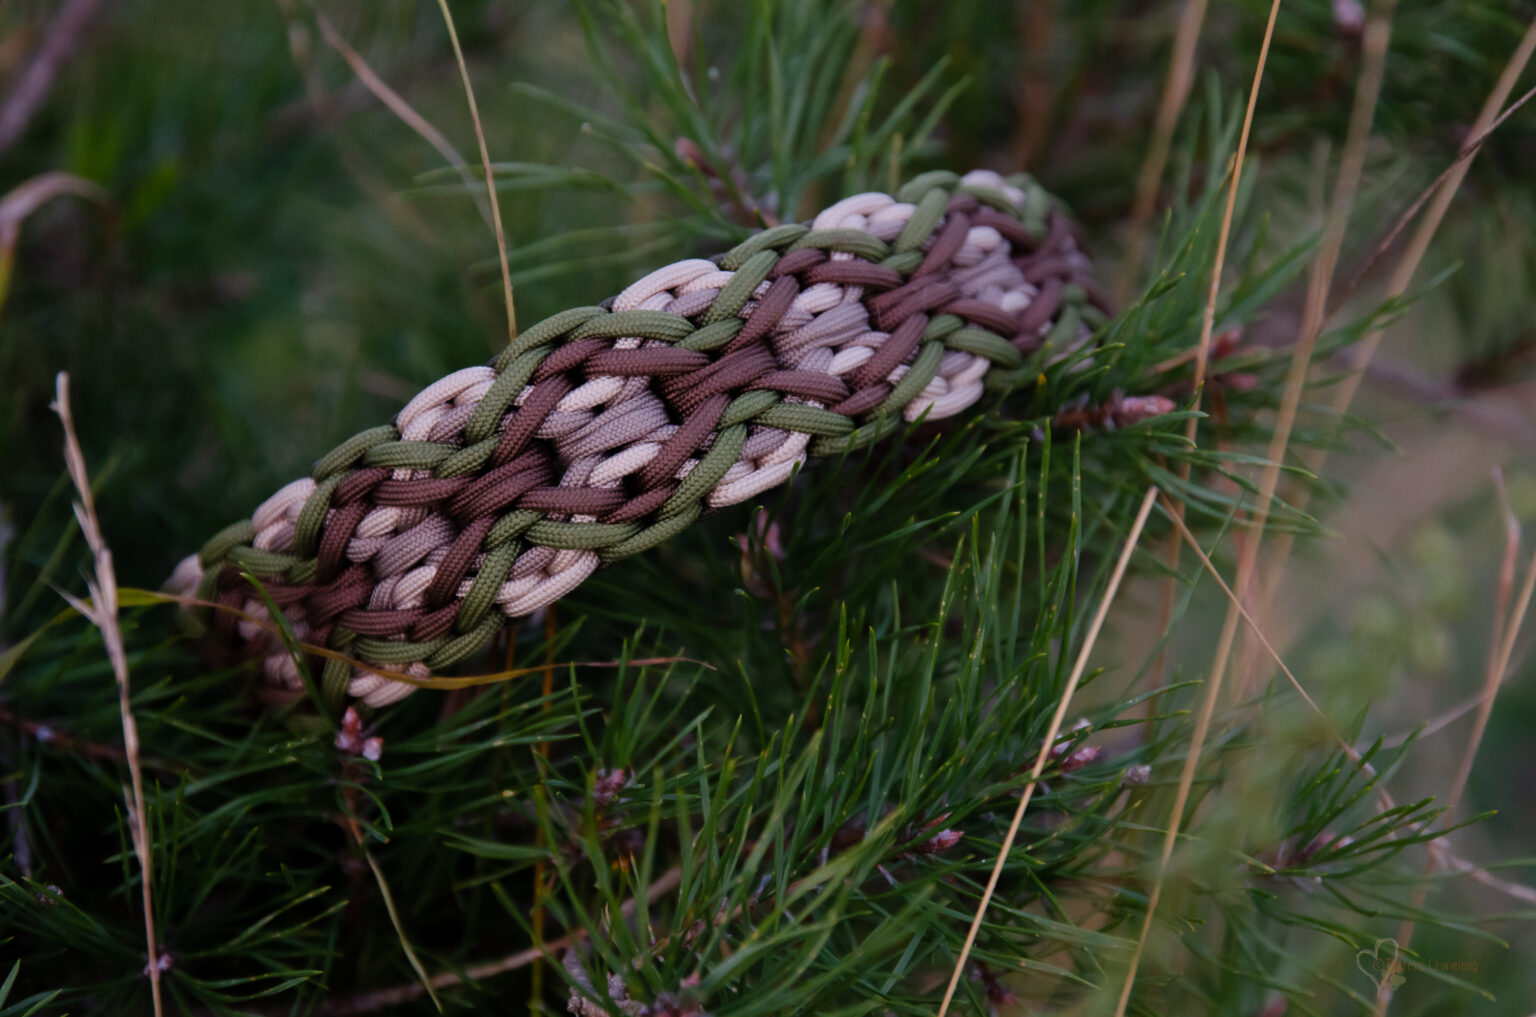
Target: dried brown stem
<point>1218,671</point>
<point>1506,629</point>
<point>485,162</point>
<point>102,612</point>
<point>1408,265</point>
<point>1441,855</point>
<point>1052,731</point>
<point>1181,74</point>
<point>380,999</point>
<point>1471,148</point>
<point>32,85</point>
<point>397,105</point>
<point>1374,44</point>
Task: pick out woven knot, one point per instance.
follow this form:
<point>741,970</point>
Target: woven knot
<point>602,431</point>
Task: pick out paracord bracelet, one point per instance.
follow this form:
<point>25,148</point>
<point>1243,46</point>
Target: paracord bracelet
<point>602,431</point>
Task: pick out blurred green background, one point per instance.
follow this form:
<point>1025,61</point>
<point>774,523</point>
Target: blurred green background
<point>270,271</point>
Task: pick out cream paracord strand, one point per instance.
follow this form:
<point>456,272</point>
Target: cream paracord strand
<point>602,431</point>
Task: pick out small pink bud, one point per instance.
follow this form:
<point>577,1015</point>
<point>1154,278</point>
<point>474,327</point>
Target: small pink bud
<point>1349,15</point>
<point>941,841</point>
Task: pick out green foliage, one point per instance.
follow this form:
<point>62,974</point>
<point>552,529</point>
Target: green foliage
<point>776,757</point>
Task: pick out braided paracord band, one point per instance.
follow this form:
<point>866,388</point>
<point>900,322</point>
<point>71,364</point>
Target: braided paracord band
<point>602,431</point>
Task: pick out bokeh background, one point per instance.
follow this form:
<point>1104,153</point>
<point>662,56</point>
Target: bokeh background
<point>274,261</point>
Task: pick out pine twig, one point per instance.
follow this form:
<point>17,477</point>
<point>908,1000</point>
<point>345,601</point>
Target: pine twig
<point>102,612</point>
<point>1049,743</point>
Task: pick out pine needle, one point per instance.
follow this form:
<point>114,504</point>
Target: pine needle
<point>394,914</point>
<point>1049,743</point>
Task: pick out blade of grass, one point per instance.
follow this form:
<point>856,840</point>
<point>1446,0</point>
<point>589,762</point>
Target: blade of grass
<point>1208,317</point>
<point>394,914</point>
<point>1051,734</point>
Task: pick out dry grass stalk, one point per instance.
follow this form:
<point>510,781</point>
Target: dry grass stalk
<point>1408,264</point>
<point>1052,731</point>
<point>1374,44</point>
<point>1506,629</point>
<point>1443,857</point>
<point>1444,190</point>
<point>485,163</point>
<point>1202,360</point>
<point>101,611</point>
<point>1202,353</point>
<point>26,94</point>
<point>396,104</point>
<point>1181,75</point>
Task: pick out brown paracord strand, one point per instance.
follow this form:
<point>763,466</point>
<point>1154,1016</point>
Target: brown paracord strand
<point>603,431</point>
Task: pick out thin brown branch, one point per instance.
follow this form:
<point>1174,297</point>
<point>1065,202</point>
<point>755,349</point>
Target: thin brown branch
<point>380,999</point>
<point>1052,731</point>
<point>102,612</point>
<point>48,734</point>
<point>33,84</point>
